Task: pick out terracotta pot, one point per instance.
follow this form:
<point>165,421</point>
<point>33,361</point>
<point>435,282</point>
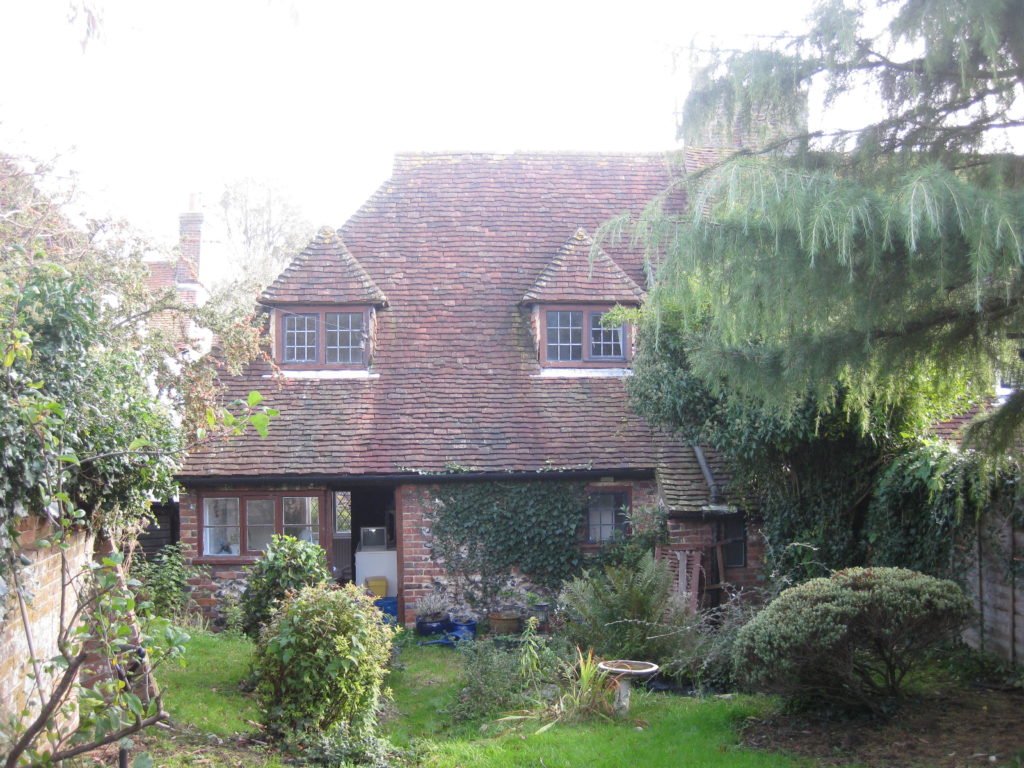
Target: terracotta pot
<point>505,623</point>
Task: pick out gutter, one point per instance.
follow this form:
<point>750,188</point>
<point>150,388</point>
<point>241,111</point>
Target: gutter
<point>204,481</point>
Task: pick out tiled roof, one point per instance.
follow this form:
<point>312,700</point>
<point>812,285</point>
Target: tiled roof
<point>573,276</point>
<point>324,273</point>
<point>455,241</point>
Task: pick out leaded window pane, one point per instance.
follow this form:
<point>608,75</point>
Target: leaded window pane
<point>605,516</point>
<point>300,338</point>
<point>605,343</point>
<point>565,335</point>
<point>344,337</point>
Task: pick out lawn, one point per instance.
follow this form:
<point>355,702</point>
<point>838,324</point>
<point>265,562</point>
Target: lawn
<point>210,714</point>
<point>956,725</point>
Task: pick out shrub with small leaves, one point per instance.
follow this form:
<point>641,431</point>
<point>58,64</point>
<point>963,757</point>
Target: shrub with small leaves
<point>848,641</point>
<point>288,564</point>
<point>320,662</point>
<point>163,581</point>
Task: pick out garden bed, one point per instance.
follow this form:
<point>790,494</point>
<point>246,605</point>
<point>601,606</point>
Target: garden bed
<point>955,729</point>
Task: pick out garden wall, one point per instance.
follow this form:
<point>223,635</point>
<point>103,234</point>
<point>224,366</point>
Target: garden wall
<point>44,580</point>
<point>994,580</point>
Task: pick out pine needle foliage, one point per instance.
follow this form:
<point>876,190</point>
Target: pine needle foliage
<point>870,261</point>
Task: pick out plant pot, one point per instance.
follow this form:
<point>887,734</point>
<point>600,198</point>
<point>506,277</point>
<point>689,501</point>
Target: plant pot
<point>505,623</point>
<point>463,626</point>
<point>431,626</point>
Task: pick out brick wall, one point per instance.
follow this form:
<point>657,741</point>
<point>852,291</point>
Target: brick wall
<point>419,574</point>
<point>44,580</point>
<point>417,570</point>
<point>694,534</point>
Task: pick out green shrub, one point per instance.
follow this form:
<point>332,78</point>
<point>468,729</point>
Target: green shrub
<point>320,662</point>
<point>708,662</point>
<point>628,612</point>
<point>848,641</point>
<point>288,564</point>
<point>499,678</point>
<point>337,748</point>
<point>163,581</point>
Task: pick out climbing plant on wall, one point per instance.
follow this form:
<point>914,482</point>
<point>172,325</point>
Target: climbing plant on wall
<point>482,530</point>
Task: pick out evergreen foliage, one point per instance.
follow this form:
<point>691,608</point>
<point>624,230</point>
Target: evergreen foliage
<point>287,565</point>
<point>482,530</point>
<point>871,267</point>
<point>628,612</point>
<point>164,580</point>
<point>829,492</point>
<point>849,640</point>
<point>320,664</point>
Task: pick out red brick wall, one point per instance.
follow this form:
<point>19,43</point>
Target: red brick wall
<point>44,580</point>
<point>699,534</point>
<point>418,572</point>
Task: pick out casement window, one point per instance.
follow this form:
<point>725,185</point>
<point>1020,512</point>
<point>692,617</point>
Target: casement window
<point>576,336</point>
<point>731,538</point>
<point>606,515</point>
<point>324,338</point>
<point>243,525</point>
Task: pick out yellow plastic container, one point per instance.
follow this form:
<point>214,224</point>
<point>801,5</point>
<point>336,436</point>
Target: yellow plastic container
<point>378,585</point>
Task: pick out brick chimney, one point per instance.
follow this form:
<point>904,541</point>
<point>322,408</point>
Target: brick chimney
<point>190,226</point>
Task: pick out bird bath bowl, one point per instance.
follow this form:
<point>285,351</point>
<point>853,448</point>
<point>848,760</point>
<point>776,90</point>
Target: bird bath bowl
<point>624,673</point>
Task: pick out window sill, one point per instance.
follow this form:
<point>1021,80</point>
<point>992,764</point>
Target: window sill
<point>582,373</point>
<point>324,373</point>
<point>225,559</point>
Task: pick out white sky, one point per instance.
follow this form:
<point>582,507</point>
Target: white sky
<point>180,98</point>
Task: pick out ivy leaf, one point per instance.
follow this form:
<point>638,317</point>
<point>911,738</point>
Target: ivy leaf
<point>254,399</point>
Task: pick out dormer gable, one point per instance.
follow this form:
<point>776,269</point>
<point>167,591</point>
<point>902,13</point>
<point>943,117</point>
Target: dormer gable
<point>572,276</point>
<point>569,301</point>
<point>323,308</point>
<point>325,272</point>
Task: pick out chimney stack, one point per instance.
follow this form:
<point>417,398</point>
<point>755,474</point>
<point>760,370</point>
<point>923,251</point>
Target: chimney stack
<point>190,227</point>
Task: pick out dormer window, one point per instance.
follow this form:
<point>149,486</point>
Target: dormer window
<point>327,337</point>
<point>576,336</point>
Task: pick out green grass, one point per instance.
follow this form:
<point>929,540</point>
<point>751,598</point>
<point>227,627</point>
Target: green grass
<point>424,681</point>
<point>204,693</point>
<point>662,730</point>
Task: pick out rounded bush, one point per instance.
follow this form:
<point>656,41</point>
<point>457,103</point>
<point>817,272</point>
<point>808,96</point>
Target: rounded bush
<point>320,662</point>
<point>288,564</point>
<point>848,640</point>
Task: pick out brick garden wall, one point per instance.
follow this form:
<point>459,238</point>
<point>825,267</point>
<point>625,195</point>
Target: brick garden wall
<point>44,580</point>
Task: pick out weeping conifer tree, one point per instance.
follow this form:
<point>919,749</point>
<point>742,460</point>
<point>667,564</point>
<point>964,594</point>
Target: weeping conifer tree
<point>824,297</point>
<point>880,264</point>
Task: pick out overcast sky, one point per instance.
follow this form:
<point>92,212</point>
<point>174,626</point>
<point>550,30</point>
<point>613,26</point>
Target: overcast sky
<point>175,99</point>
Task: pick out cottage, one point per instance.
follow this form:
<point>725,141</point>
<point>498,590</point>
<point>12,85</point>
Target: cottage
<point>455,319</point>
